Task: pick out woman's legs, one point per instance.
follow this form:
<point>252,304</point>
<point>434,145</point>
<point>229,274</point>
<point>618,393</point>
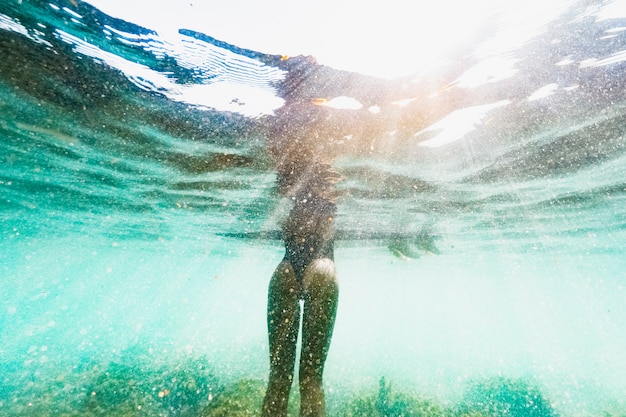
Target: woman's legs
<point>320,292</point>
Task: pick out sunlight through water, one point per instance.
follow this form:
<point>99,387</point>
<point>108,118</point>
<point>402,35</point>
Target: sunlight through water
<point>152,151</point>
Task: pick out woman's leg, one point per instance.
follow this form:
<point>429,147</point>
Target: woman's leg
<point>320,307</point>
<point>283,322</point>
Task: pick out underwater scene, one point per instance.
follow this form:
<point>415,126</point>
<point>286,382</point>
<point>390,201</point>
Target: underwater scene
<point>479,211</point>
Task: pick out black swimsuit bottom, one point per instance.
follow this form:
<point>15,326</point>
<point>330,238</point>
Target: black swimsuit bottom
<point>301,255</point>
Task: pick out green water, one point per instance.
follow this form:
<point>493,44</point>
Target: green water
<point>484,276</point>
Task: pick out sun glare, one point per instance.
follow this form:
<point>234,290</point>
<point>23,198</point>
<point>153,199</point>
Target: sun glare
<point>389,39</point>
<point>457,124</point>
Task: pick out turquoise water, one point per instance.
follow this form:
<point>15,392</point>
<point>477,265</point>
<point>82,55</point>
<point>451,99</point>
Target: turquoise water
<point>139,218</point>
